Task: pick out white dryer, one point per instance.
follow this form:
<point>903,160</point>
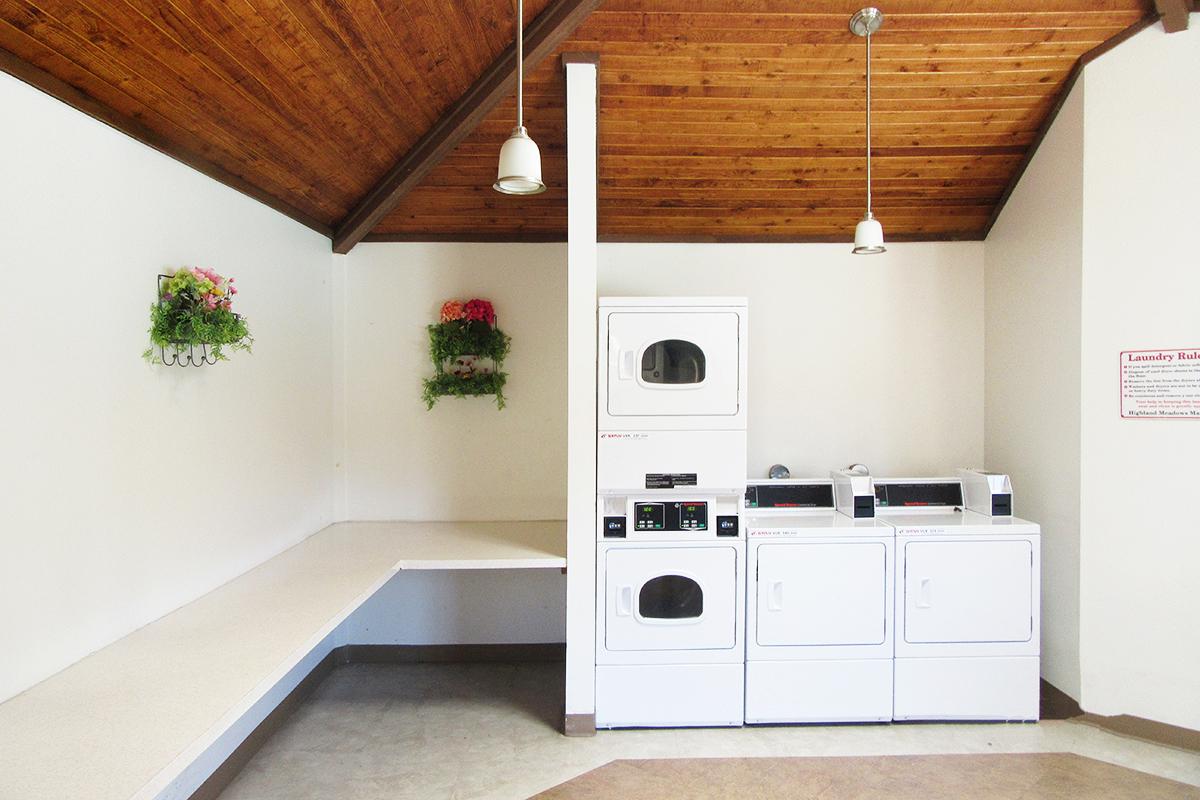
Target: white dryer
<point>819,607</point>
<point>672,393</point>
<point>670,645</point>
<point>670,468</point>
<point>968,604</point>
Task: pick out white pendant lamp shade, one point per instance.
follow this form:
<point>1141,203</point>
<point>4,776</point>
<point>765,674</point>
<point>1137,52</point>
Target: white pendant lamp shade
<point>520,169</point>
<point>868,234</point>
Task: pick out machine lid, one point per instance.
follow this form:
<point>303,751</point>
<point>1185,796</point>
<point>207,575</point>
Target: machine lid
<point>941,521</point>
<point>783,494</point>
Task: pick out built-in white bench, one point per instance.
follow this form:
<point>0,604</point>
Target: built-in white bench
<point>153,714</point>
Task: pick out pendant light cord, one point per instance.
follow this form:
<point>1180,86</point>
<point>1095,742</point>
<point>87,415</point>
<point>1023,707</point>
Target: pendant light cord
<point>521,62</point>
<point>868,37</point>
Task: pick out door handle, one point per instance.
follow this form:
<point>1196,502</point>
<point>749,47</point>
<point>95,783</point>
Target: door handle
<point>625,601</point>
<point>925,596</point>
<point>775,596</point>
<point>626,364</point>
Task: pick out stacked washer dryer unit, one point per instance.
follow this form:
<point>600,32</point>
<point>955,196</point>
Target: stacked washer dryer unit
<point>820,605</point>
<point>671,474</point>
<point>967,598</point>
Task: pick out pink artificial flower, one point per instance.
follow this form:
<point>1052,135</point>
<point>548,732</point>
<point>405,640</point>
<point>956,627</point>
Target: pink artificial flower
<point>232,288</point>
<point>452,310</point>
<point>227,305</point>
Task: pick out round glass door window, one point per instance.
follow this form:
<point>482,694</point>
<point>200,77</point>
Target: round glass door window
<point>673,361</point>
<point>671,597</point>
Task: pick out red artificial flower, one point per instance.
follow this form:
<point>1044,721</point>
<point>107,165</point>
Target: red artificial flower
<point>480,311</point>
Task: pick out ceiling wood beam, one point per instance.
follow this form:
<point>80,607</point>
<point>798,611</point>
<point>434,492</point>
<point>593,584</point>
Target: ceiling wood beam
<point>1072,78</point>
<point>543,35</point>
<point>691,238</point>
<point>1174,14</point>
<point>61,90</point>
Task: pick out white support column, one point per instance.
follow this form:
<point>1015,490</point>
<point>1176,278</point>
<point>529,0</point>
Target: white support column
<point>581,393</point>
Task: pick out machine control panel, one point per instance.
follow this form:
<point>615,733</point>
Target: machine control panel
<point>670,516</point>
<point>790,495</point>
<point>948,494</point>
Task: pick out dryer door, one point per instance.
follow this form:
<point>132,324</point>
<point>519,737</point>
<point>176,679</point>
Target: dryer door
<point>673,363</point>
<point>822,594</point>
<point>968,591</point>
<point>670,598</point>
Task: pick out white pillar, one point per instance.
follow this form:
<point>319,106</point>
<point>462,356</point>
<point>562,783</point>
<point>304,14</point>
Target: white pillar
<point>581,71</point>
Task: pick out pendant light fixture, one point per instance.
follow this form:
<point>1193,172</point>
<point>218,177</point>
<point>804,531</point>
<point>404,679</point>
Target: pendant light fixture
<point>520,170</point>
<point>868,234</point>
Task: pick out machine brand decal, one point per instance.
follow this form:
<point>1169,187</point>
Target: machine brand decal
<point>669,480</point>
<point>627,436</point>
<point>1160,384</point>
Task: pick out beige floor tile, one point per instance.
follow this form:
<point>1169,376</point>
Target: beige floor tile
<point>486,731</point>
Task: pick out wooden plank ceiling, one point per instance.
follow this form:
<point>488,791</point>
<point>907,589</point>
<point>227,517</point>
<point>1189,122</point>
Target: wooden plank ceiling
<point>719,119</point>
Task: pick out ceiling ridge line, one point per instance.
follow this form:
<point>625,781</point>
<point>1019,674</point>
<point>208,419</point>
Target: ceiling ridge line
<point>543,35</point>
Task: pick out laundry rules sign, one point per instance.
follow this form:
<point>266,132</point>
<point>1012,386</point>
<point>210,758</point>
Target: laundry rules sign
<point>1160,384</point>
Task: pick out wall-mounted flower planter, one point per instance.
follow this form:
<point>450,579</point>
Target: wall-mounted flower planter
<point>468,352</point>
<point>192,323</point>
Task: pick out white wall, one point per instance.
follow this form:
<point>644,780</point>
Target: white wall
<point>129,489</point>
<point>871,359</point>
<point>486,606</point>
<point>464,459</point>
<point>1141,289</point>
<point>1034,259</point>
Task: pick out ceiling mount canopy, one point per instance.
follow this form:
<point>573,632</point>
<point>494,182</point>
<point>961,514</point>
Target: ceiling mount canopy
<point>520,168</point>
<point>868,234</point>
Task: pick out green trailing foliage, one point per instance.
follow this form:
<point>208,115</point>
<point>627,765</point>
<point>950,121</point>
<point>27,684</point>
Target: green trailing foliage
<point>460,337</point>
<point>466,329</point>
<point>446,385</point>
<point>194,308</point>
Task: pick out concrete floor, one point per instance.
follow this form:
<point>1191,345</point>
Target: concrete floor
<point>400,731</point>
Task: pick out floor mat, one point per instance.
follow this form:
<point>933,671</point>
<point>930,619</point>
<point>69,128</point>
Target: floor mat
<point>1034,776</point>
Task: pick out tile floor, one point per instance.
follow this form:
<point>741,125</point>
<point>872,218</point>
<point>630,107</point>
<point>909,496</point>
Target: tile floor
<point>401,731</point>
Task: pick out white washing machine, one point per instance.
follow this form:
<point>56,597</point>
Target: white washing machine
<point>670,588</point>
<point>672,393</point>
<point>819,607</point>
<point>968,602</point>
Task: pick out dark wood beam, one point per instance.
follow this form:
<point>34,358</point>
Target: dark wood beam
<point>1072,78</point>
<point>470,236</point>
<point>1174,14</point>
<point>543,35</point>
<point>718,238</point>
<point>61,90</point>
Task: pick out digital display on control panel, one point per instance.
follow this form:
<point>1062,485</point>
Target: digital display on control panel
<point>673,516</point>
<point>693,516</point>
<point>649,517</point>
<point>893,495</point>
<point>811,495</point>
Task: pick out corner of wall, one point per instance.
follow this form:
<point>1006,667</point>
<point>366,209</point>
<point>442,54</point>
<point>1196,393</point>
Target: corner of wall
<point>339,470</point>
